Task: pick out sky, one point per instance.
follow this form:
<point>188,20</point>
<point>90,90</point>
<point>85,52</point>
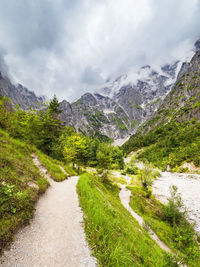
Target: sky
<point>69,47</point>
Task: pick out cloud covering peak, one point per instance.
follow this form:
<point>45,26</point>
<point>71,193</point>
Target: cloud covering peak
<point>70,47</point>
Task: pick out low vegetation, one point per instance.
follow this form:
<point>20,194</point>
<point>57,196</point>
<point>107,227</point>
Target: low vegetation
<point>168,145</point>
<point>20,185</point>
<point>169,223</point>
<point>113,234</point>
<point>54,167</point>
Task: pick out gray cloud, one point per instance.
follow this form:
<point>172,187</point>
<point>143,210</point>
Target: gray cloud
<point>68,47</point>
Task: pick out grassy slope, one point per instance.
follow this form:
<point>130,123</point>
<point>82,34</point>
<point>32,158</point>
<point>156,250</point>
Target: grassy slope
<point>114,235</point>
<point>173,145</point>
<point>53,167</point>
<point>17,198</point>
<point>168,144</point>
<point>176,238</point>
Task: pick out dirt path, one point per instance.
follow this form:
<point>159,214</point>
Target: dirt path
<point>125,195</point>
<point>55,236</point>
<point>189,187</point>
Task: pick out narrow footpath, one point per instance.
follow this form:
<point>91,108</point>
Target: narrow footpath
<point>55,236</point>
<point>125,195</point>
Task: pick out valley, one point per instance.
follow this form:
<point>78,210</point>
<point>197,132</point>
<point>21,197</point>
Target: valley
<point>88,183</point>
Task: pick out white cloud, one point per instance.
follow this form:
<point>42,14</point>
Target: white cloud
<point>68,47</point>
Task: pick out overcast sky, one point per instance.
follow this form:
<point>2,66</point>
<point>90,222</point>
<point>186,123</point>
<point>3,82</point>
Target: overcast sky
<point>68,47</point>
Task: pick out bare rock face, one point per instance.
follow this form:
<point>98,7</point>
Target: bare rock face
<point>194,64</point>
<point>184,68</point>
<point>19,94</point>
<point>66,114</point>
<point>96,115</point>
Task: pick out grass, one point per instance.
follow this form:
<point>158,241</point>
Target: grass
<point>114,235</point>
<point>53,167</point>
<point>178,238</point>
<point>117,180</point>
<point>17,196</point>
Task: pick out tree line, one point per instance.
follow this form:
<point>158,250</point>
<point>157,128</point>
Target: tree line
<point>43,129</point>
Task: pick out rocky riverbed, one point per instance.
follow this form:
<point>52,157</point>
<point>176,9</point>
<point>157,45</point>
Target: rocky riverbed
<point>188,186</point>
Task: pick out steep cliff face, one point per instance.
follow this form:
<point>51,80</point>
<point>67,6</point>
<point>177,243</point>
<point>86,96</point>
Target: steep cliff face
<point>19,94</point>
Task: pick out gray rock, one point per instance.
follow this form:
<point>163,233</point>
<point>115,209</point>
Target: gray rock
<point>19,94</point>
<point>184,68</point>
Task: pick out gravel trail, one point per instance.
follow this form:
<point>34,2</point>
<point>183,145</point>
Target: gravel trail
<point>125,195</point>
<point>55,236</point>
<point>189,187</point>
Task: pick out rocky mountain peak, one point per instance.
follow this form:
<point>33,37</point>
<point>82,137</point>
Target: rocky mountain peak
<point>89,99</point>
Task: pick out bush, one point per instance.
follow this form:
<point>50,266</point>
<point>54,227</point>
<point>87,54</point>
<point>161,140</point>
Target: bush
<point>146,176</point>
<point>175,212</point>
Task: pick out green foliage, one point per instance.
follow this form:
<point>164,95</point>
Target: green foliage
<point>75,149</point>
<point>17,197</point>
<point>170,144</point>
<point>131,167</point>
<point>134,124</point>
<point>43,129</point>
<point>53,167</point>
<point>179,237</point>
<point>109,157</point>
<point>5,112</point>
<point>117,159</point>
<point>54,106</point>
<point>145,175</point>
<point>174,211</point>
<point>114,235</point>
<point>103,156</point>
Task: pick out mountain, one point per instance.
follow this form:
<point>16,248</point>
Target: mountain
<point>182,103</point>
<point>19,94</point>
<point>118,109</point>
<point>96,115</point>
<point>171,137</point>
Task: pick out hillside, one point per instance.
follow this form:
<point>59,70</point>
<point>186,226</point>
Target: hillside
<point>21,184</point>
<point>172,135</point>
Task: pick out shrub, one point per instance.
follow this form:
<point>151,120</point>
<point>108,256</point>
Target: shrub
<point>145,176</point>
<point>175,212</point>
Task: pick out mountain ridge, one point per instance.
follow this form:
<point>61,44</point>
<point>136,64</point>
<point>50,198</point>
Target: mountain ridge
<point>118,109</point>
<point>19,94</point>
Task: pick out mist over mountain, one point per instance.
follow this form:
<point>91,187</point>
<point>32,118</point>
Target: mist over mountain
<point>118,108</point>
<point>69,48</point>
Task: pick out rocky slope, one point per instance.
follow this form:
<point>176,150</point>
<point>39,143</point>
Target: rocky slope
<point>122,105</point>
<point>96,115</point>
<point>171,137</point>
<point>19,94</point>
<point>183,101</point>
